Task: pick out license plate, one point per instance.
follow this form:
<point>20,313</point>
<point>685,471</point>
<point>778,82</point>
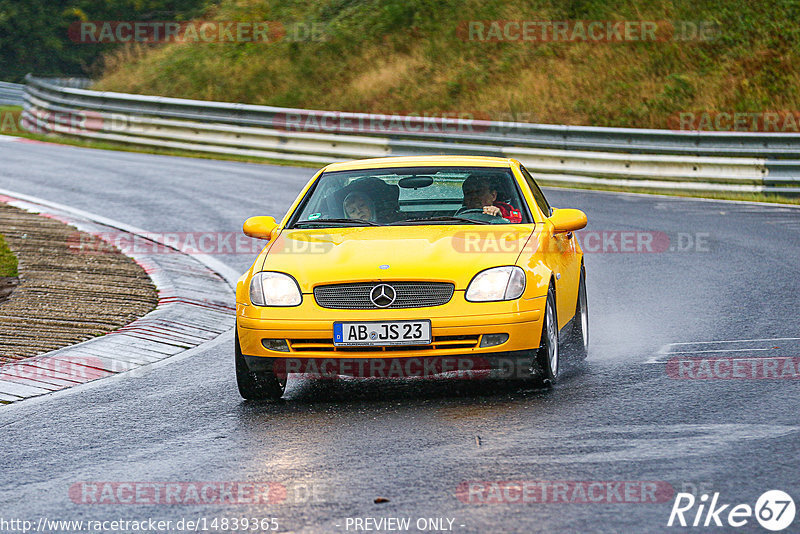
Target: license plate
<point>382,333</point>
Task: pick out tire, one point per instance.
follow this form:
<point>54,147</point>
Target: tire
<point>577,343</point>
<point>547,357</point>
<point>261,385</point>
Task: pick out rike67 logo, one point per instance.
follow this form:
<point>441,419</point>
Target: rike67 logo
<point>774,510</point>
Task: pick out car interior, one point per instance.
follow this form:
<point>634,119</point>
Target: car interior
<point>401,197</point>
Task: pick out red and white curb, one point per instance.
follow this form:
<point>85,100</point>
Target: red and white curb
<point>195,308</point>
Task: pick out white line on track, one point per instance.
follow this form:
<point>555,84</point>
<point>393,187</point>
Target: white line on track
<point>717,350</point>
<point>735,341</point>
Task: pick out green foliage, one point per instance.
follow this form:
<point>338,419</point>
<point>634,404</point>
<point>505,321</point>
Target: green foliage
<point>390,55</point>
<point>34,34</point>
<point>8,262</point>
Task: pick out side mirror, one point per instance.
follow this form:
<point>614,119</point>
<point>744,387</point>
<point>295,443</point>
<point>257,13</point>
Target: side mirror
<point>567,220</point>
<point>260,227</point>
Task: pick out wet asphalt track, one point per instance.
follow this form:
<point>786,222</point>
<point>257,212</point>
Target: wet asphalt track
<point>618,417</point>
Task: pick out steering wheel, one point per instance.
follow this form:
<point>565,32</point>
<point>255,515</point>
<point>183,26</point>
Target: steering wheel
<point>462,211</point>
<point>481,216</point>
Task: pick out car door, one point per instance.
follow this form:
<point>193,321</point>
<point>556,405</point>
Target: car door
<point>562,257</point>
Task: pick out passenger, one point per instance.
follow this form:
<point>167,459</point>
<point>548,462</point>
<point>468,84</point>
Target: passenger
<point>358,205</point>
<point>481,193</point>
<point>381,197</point>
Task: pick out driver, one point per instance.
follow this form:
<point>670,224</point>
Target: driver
<point>481,193</point>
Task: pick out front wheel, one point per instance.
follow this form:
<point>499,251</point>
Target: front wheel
<point>547,355</point>
<point>260,385</point>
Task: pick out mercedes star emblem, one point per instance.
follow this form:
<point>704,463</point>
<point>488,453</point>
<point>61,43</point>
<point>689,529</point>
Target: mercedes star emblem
<point>382,295</point>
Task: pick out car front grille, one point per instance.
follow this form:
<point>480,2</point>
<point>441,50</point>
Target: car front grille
<point>408,295</point>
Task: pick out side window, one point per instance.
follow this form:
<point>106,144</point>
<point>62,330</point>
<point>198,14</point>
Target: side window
<point>537,193</point>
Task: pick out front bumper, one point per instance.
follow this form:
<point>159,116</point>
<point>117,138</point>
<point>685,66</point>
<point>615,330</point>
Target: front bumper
<point>456,327</point>
<point>517,364</point>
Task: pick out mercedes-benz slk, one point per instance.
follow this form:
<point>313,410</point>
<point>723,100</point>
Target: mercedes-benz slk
<point>412,259</point>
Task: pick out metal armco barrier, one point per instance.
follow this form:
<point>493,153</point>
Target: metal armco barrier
<point>11,94</point>
<point>624,157</point>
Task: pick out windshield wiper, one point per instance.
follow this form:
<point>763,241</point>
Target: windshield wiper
<point>445,218</point>
<point>317,222</point>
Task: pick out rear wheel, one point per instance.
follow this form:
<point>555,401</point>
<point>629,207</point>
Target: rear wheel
<point>257,385</point>
<point>547,356</point>
<point>577,342</point>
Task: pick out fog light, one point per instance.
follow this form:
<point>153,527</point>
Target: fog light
<point>279,345</point>
<point>492,340</point>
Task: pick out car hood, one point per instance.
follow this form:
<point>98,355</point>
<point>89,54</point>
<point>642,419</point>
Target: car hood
<point>451,253</point>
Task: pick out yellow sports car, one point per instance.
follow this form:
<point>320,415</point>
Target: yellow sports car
<point>412,266</point>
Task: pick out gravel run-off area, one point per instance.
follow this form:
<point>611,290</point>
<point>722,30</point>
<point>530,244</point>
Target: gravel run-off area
<point>66,293</point>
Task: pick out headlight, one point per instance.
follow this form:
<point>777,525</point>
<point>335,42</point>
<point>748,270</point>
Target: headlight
<point>498,283</point>
<point>274,289</point>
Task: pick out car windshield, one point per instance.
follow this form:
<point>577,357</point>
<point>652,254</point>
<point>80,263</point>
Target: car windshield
<point>412,196</point>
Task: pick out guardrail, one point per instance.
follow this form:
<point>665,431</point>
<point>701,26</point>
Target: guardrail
<point>11,94</point>
<point>625,157</point>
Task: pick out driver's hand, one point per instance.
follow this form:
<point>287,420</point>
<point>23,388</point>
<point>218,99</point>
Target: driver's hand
<point>491,210</point>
